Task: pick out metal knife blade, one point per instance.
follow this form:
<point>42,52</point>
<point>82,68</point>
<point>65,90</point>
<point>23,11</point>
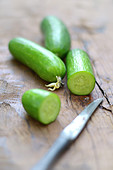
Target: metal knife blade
<point>67,136</point>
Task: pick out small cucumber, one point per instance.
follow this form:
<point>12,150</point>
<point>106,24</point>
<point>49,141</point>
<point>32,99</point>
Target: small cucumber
<point>57,37</point>
<point>46,64</point>
<point>80,77</point>
<point>41,105</point>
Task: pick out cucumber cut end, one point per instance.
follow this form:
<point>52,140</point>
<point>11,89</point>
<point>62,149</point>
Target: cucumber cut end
<point>49,109</point>
<point>81,83</point>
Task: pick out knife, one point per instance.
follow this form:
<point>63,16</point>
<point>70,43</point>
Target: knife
<point>67,136</point>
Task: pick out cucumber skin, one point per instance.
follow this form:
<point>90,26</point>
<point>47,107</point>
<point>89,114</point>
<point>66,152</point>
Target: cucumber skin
<point>46,64</point>
<point>57,37</point>
<point>32,100</point>
<point>78,60</point>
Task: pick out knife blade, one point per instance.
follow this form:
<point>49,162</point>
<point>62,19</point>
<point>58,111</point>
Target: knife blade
<point>67,136</point>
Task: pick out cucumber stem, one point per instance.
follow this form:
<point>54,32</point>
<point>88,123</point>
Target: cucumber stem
<point>57,85</point>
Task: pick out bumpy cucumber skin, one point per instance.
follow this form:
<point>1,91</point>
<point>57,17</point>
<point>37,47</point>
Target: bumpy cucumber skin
<point>46,64</point>
<point>57,37</point>
<point>32,101</point>
<point>78,61</point>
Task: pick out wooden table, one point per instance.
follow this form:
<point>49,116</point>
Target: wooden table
<point>23,141</point>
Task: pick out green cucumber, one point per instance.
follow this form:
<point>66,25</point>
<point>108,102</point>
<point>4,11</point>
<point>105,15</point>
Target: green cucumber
<point>80,77</point>
<point>41,105</point>
<point>57,37</point>
<point>46,64</point>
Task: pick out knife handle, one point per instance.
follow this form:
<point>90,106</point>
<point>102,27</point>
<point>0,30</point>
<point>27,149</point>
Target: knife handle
<point>57,148</point>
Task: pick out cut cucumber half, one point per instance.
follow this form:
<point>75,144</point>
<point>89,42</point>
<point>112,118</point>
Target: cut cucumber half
<point>80,77</point>
<point>41,105</point>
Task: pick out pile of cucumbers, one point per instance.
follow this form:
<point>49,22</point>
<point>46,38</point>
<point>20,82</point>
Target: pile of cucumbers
<point>47,62</point>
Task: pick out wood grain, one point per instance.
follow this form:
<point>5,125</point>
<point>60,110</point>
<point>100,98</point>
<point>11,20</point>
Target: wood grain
<point>23,141</point>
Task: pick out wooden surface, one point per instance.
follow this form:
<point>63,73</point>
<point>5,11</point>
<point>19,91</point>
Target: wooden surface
<point>24,141</point>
